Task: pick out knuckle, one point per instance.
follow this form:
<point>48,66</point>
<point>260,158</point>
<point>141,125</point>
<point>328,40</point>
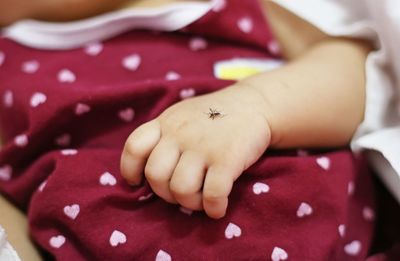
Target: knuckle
<point>152,173</point>
<point>134,147</point>
<point>181,189</point>
<point>213,194</point>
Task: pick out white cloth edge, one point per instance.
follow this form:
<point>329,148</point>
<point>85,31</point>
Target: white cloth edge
<point>7,252</point>
<point>69,35</point>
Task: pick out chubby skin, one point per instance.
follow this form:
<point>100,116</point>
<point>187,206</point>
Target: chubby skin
<point>193,160</point>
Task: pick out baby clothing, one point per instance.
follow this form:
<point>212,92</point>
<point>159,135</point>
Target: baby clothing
<point>65,116</point>
<point>7,252</point>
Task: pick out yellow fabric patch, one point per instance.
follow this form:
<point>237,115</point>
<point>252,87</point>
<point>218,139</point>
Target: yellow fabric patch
<point>240,68</point>
<point>237,73</point>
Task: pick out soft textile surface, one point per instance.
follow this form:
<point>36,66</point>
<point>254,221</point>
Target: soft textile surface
<point>65,117</point>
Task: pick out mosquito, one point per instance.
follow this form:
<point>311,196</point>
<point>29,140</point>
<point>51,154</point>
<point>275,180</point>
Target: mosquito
<point>213,113</point>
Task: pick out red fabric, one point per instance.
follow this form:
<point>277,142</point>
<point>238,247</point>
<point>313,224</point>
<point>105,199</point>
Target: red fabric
<point>288,204</point>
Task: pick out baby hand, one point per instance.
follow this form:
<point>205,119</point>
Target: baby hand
<point>193,152</point>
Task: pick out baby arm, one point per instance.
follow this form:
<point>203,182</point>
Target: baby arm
<point>316,100</point>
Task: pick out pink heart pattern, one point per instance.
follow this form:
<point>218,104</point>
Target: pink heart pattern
<point>107,179</point>
<point>259,188</point>
<point>5,173</point>
<point>279,254</point>
<point>117,238</point>
<point>342,230</point>
<point>72,211</point>
<point>146,197</point>
<point>37,99</point>
<point>304,210</point>
<point>63,140</point>
<point>2,58</point>
<point>66,76</point>
<point>21,140</point>
<point>163,256</point>
<point>324,162</point>
<point>93,49</point>
<point>218,5</point>
<point>172,76</point>
<point>186,211</point>
<point>187,93</point>
<point>57,241</point>
<point>274,47</point>
<point>131,62</point>
<point>30,67</point>
<point>245,24</point>
<point>8,99</point>
<point>126,115</point>
<point>69,152</point>
<point>368,214</point>
<point>350,188</point>
<point>353,248</point>
<point>232,230</point>
<point>42,186</point>
<point>197,44</point>
<point>82,108</point>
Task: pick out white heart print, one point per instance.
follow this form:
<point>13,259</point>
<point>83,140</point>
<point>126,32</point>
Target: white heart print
<point>245,24</point>
<point>146,197</point>
<point>21,140</point>
<point>42,186</point>
<point>37,99</point>
<point>350,188</point>
<point>260,187</point>
<point>274,47</point>
<point>186,211</point>
<point>232,230</point>
<point>172,76</point>
<point>187,93</point>
<point>2,58</point>
<point>342,230</point>
<point>30,66</point>
<point>66,76</point>
<point>279,254</point>
<point>82,108</point>
<point>8,99</point>
<point>324,162</point>
<point>57,241</point>
<point>304,210</point>
<point>5,173</point>
<point>107,179</point>
<point>93,49</point>
<point>368,214</point>
<point>131,62</point>
<point>197,44</point>
<point>117,238</point>
<point>163,256</point>
<point>72,211</point>
<point>218,5</point>
<point>353,248</point>
<point>127,114</point>
<point>69,152</point>
<point>63,140</point>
